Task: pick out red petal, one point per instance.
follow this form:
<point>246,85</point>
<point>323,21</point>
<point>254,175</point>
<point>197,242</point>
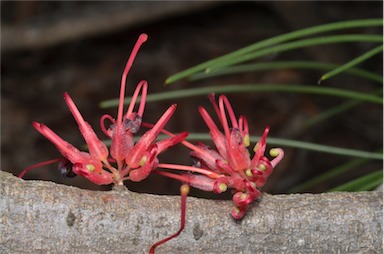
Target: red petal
<point>66,149</point>
<point>97,149</point>
<point>134,156</point>
<point>238,155</point>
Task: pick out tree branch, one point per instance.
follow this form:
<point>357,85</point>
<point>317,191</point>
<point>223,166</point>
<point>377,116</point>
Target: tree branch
<point>42,217</point>
<point>92,20</point>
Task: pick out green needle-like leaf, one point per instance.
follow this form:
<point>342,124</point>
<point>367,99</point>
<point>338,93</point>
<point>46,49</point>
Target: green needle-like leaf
<point>334,172</point>
<point>335,110</point>
<point>331,112</point>
<point>352,63</point>
<point>246,88</point>
<point>285,65</point>
<point>364,183</point>
<point>296,45</point>
<point>276,40</point>
<point>325,148</point>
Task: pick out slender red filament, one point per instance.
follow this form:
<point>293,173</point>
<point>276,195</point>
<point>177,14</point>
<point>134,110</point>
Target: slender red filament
<point>223,119</point>
<point>243,125</point>
<point>140,41</point>
<point>208,173</point>
<point>44,163</point>
<point>212,99</point>
<point>184,191</point>
<point>181,178</point>
<point>184,142</point>
<point>231,113</point>
<point>207,119</point>
<point>141,86</point>
<point>102,125</point>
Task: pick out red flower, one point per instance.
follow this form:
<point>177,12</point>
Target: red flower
<point>133,161</point>
<point>230,165</point>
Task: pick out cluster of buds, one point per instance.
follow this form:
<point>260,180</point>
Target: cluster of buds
<point>230,166</point>
<point>125,160</point>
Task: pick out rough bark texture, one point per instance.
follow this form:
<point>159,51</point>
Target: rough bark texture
<point>43,217</point>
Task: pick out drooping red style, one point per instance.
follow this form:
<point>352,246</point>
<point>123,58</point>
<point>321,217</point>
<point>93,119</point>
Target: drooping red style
<point>230,165</point>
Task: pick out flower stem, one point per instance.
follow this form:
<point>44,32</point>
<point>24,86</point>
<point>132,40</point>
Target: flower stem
<point>44,163</point>
<point>208,173</point>
<point>184,191</point>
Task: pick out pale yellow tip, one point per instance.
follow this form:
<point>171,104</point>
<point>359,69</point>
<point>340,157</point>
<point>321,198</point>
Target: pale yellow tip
<point>256,147</point>
<point>223,187</point>
<point>90,167</point>
<point>274,152</point>
<point>262,167</point>
<point>184,189</point>
<point>143,160</point>
<point>246,141</point>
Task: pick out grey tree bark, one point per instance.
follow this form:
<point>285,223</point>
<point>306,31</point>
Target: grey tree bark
<point>43,217</point>
<point>92,20</point>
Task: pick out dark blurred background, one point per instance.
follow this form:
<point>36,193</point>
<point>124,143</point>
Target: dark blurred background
<point>81,47</point>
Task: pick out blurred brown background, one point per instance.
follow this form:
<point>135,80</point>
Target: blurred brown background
<point>81,47</point>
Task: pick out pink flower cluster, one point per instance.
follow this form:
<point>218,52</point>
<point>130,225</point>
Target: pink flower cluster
<point>228,166</point>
